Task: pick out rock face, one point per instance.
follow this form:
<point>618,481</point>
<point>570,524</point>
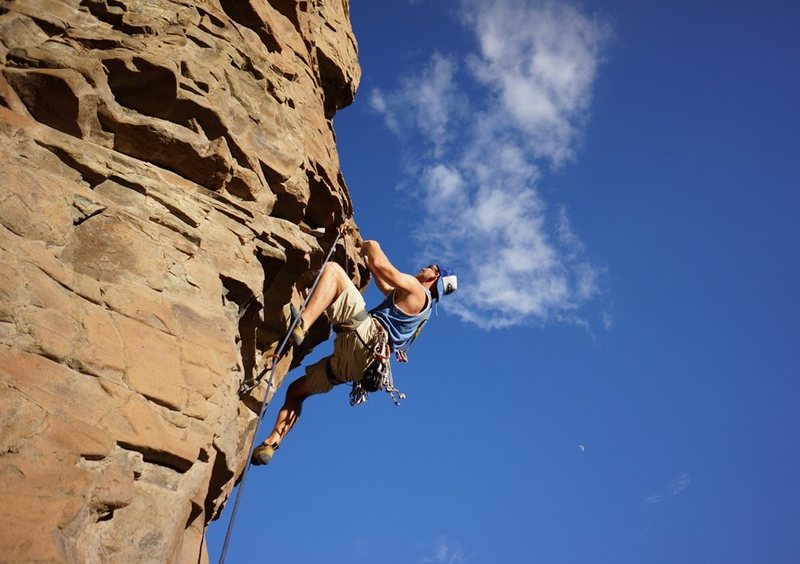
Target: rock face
<point>166,172</point>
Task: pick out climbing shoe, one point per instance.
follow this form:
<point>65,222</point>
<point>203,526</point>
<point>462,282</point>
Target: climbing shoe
<point>263,454</point>
<point>298,331</point>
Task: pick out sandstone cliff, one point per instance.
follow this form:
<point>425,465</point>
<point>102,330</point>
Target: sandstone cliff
<point>165,173</point>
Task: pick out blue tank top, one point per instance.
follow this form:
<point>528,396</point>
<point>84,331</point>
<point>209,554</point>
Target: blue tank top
<point>401,326</point>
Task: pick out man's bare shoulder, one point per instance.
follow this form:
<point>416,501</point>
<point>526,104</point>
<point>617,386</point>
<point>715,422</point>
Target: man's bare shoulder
<point>410,296</point>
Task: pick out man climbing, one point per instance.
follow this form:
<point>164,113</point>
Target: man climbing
<point>361,337</point>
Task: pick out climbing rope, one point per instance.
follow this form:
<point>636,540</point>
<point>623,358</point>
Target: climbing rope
<point>265,403</point>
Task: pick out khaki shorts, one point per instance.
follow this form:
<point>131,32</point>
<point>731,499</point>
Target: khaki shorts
<point>350,357</point>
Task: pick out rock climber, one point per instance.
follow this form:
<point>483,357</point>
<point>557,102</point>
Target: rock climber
<point>391,326</point>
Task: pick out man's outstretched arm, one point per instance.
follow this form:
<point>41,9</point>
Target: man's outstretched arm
<point>379,265</point>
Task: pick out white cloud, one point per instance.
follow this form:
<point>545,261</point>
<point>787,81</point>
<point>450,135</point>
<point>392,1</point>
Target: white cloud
<point>437,99</point>
<point>431,99</point>
<point>444,552</point>
<point>678,484</point>
<point>444,188</point>
<point>476,172</point>
<point>565,233</point>
<point>377,102</point>
<point>608,320</point>
<point>539,60</point>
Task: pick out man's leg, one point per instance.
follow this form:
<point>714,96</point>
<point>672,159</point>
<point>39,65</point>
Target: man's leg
<point>296,394</point>
<point>333,289</point>
<point>315,381</point>
<point>332,282</point>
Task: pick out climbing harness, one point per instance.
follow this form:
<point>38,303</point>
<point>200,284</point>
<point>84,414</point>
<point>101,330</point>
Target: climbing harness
<point>378,374</point>
<point>264,402</point>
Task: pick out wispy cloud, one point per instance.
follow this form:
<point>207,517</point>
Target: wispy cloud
<point>678,484</point>
<point>425,104</point>
<point>444,551</point>
<point>539,60</point>
<point>481,131</point>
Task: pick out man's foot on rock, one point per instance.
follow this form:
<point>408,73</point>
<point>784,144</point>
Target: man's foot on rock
<point>298,331</point>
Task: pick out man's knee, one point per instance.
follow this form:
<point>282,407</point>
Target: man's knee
<point>334,270</point>
<point>297,390</point>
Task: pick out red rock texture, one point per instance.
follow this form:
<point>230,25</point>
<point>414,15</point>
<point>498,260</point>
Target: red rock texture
<point>167,169</point>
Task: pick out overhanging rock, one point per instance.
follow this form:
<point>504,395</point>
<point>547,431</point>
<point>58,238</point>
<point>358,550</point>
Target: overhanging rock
<point>168,175</point>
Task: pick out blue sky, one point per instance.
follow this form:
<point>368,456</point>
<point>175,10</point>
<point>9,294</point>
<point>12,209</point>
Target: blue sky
<point>616,380</point>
